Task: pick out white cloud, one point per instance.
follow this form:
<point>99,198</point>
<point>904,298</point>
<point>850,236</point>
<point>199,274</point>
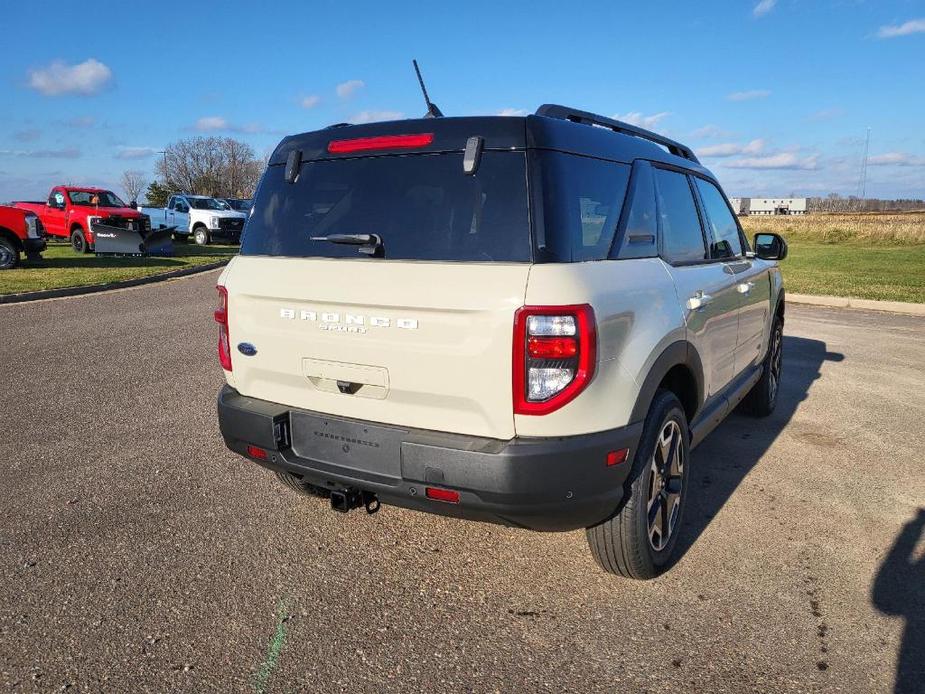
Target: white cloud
<point>135,152</point>
<point>348,88</point>
<point>640,120</point>
<point>913,26</point>
<point>511,112</point>
<point>27,135</point>
<point>68,153</point>
<point>896,159</point>
<point>709,131</point>
<point>375,116</point>
<point>211,123</point>
<point>88,77</point>
<point>731,149</point>
<point>749,95</point>
<point>310,101</point>
<point>763,7</point>
<point>784,160</point>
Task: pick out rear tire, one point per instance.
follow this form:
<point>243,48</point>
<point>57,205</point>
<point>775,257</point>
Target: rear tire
<point>304,488</point>
<point>639,541</point>
<point>9,254</point>
<point>201,236</point>
<point>762,398</point>
<point>79,241</point>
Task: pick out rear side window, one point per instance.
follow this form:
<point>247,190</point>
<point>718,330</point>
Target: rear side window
<point>582,201</point>
<point>726,240</point>
<point>640,231</point>
<point>682,237</point>
<point>423,206</point>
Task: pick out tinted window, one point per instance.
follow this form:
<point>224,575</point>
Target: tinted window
<point>582,200</point>
<point>722,223</point>
<point>682,238</point>
<point>423,206</point>
<point>640,232</point>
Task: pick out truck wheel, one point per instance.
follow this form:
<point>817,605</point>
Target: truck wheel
<point>762,398</point>
<point>638,542</point>
<point>201,236</point>
<point>9,254</point>
<point>303,488</point>
<point>79,241</point>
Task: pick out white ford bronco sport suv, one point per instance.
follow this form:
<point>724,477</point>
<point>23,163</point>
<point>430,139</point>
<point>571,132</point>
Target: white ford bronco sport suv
<point>528,321</point>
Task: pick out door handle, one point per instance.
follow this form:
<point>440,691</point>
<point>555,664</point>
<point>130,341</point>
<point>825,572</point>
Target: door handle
<point>745,287</point>
<point>699,300</point>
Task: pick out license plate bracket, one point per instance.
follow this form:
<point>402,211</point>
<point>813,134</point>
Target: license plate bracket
<point>344,443</point>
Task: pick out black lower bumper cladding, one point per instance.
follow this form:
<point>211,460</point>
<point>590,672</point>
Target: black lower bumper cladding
<point>560,483</point>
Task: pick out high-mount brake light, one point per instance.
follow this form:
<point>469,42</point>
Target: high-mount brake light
<point>221,317</point>
<point>383,142</point>
<point>554,354</point>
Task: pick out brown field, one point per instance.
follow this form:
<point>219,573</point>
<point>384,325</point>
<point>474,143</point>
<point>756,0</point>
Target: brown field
<point>894,229</point>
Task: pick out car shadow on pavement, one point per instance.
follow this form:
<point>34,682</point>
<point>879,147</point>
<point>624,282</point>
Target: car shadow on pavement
<point>899,591</point>
<point>728,454</point>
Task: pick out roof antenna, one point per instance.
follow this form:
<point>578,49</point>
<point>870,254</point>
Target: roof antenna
<point>432,110</point>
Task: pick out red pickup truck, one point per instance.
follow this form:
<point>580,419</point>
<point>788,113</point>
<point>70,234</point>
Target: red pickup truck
<point>20,232</point>
<point>71,211</point>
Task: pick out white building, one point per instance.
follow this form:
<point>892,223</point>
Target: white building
<point>739,205</point>
<point>765,206</point>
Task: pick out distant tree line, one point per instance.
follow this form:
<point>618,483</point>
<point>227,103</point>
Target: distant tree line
<point>833,202</point>
<point>216,166</point>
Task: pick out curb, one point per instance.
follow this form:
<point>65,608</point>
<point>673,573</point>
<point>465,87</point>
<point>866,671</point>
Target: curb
<point>96,288</point>
<point>906,308</point>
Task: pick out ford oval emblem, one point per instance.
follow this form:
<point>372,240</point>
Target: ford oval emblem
<point>247,349</point>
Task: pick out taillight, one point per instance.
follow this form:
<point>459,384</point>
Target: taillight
<point>554,355</point>
<point>221,317</point>
<point>366,144</point>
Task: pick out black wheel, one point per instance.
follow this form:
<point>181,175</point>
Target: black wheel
<point>9,254</point>
<point>762,399</point>
<point>201,236</point>
<point>79,241</point>
<point>304,488</point>
<point>638,542</point>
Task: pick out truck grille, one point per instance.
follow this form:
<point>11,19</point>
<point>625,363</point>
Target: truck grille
<point>230,224</point>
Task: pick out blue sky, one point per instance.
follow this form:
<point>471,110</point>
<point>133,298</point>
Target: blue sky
<point>776,96</point>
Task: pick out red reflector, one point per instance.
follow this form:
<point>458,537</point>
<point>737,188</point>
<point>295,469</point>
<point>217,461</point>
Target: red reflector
<point>617,457</point>
<point>255,452</point>
<point>442,495</point>
<point>552,347</point>
<point>363,144</point>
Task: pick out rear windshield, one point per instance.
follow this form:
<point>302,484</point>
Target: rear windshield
<point>423,206</point>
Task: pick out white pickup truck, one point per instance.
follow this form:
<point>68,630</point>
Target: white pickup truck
<point>198,215</point>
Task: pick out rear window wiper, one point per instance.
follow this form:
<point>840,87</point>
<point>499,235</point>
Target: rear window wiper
<point>370,244</point>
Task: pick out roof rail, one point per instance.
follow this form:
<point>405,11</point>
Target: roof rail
<point>576,116</point>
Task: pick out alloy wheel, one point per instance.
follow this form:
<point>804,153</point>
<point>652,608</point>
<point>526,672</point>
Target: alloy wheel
<point>666,474</point>
<point>7,256</point>
<point>776,363</point>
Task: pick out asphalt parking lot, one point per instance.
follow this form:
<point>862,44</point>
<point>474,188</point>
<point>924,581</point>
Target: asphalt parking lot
<point>137,554</point>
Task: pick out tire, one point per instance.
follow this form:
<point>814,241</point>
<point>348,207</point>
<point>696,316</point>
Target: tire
<point>201,236</point>
<point>9,254</point>
<point>300,487</point>
<point>79,241</point>
<point>762,398</point>
<point>628,544</point>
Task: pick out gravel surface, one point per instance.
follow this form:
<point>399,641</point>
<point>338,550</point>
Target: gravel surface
<point>137,554</point>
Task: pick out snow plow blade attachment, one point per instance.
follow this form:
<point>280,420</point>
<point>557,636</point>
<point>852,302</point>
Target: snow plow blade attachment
<point>113,240</point>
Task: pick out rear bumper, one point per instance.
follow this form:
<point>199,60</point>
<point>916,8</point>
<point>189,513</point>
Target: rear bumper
<point>558,483</point>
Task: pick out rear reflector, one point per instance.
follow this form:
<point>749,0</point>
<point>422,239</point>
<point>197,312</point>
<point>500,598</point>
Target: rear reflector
<point>617,457</point>
<point>365,144</point>
<point>255,452</point>
<point>442,495</point>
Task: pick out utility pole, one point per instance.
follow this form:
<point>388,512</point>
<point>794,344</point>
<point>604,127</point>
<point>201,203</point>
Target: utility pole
<point>164,152</point>
<point>862,180</point>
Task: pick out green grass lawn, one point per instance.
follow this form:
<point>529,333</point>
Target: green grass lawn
<point>855,269</point>
<point>61,267</point>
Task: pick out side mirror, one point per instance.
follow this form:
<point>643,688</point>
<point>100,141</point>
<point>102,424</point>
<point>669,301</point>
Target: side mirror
<point>770,247</point>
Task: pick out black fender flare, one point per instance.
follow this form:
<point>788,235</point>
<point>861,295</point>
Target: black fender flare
<point>681,353</point>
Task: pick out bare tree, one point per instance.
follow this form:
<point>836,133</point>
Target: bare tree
<point>216,166</point>
<point>133,182</point>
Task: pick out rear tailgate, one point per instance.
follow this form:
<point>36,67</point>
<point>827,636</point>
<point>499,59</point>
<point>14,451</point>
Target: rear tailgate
<point>416,344</point>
